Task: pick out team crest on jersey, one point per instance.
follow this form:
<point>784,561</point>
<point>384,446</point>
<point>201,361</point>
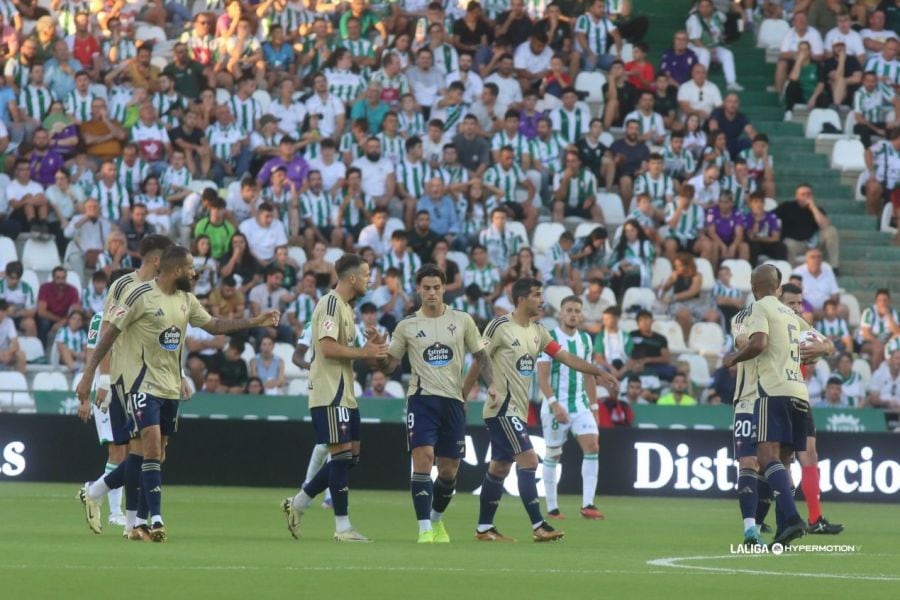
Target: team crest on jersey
<point>328,325</point>
<point>525,365</point>
<point>437,355</point>
<point>452,328</point>
<point>170,339</point>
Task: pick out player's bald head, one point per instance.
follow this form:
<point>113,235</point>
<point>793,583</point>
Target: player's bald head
<point>765,281</point>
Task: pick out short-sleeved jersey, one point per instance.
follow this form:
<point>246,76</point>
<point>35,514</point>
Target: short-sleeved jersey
<point>568,384</point>
<point>436,347</point>
<point>153,326</point>
<point>117,294</point>
<point>331,379</point>
<point>779,363</point>
<point>514,350</point>
<point>746,391</point>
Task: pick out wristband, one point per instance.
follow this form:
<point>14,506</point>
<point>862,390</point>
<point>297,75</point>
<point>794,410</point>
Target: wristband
<point>595,406</point>
<point>103,382</point>
<point>552,400</point>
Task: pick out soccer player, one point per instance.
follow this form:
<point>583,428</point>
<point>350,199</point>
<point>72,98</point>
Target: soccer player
<point>773,336</point>
<point>514,342</point>
<point>570,405</point>
<point>111,394</point>
<point>436,339</point>
<point>792,297</point>
<point>154,317</point>
<point>332,402</point>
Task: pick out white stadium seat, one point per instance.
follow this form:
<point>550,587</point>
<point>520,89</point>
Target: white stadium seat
<point>699,369</point>
<point>740,273</point>
<point>8,252</point>
<point>149,33</point>
<point>848,155</point>
<point>14,390</point>
<point>817,119</point>
<point>40,255</point>
<point>862,367</point>
<point>460,258</point>
<point>74,279</point>
<point>706,273</point>
<point>706,338</point>
<point>47,381</point>
<point>608,295</point>
<point>592,84</point>
<point>518,228</point>
<point>771,33</point>
<point>298,387</point>
<point>298,254</point>
<point>198,185</point>
<point>333,254</point>
<point>859,190</point>
<point>853,311</point>
<point>357,388</point>
<point>584,229</point>
<point>673,333</point>
<point>285,352</point>
<point>395,389</point>
<point>31,278</point>
<point>554,294</point>
<point>264,99</point>
<point>32,347</point>
<point>545,235</point>
<point>662,268</point>
<point>644,297</point>
<point>886,215</point>
<point>613,209</point>
<point>222,96</point>
<point>770,204</point>
<point>783,266</point>
<point>393,225</point>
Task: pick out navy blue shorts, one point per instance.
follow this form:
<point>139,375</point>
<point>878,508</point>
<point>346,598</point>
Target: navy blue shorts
<point>810,423</point>
<point>509,438</point>
<point>745,434</point>
<point>782,419</point>
<point>335,424</point>
<point>438,422</point>
<point>120,423</point>
<point>147,410</point>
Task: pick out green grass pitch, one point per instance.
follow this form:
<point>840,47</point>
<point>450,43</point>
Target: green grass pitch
<point>233,543</point>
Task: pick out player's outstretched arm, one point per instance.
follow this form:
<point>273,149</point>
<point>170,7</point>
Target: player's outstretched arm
<point>815,348</point>
<point>217,326</point>
<point>582,366</point>
<point>371,350</point>
<point>83,391</point>
<point>755,346</point>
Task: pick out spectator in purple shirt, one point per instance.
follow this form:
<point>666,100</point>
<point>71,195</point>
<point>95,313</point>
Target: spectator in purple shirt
<point>43,163</point>
<point>529,116</point>
<point>725,227</point>
<point>763,230</point>
<point>288,157</point>
<point>677,62</point>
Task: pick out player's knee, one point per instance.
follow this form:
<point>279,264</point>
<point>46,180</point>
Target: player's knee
<point>448,472</point>
<point>591,446</point>
<point>748,462</point>
<point>499,469</point>
<point>554,453</point>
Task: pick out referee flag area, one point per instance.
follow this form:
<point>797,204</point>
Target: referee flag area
<point>233,543</point>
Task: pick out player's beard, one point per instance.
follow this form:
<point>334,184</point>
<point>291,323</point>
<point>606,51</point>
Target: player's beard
<point>183,284</point>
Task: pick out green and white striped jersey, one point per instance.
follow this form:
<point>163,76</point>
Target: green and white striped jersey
<point>478,309</point>
<point>221,137</point>
<point>720,160</point>
<point>755,164</point>
<point>877,324</point>
<point>125,48</point>
<point>501,246</point>
<point>506,180</point>
<point>873,106</point>
<point>833,328</point>
<point>359,48</point>
<point>549,152</point>
<point>344,84</point>
<point>614,345</point>
<point>73,340</point>
<point>519,143</point>
<point>246,112</point>
<point>398,82</point>
<point>689,225</point>
<point>173,179</point>
<point>104,259</point>
<point>302,308</point>
<point>312,151</point>
<point>570,125</point>
<point>410,125</point>
<point>678,165</point>
<point>408,263</point>
<point>352,215</point>
<point>93,301</point>
<point>853,388</point>
<point>740,193</point>
<point>392,148</point>
<point>112,199</point>
<point>291,17</point>
<point>451,175</point>
<point>648,123</point>
<point>709,31</point>
<point>79,106</point>
<point>16,72</point>
<point>883,68</point>
<point>646,221</point>
<point>580,188</point>
<point>36,101</point>
<point>258,140</point>
<point>568,384</point>
<point>132,176</point>
<point>413,177</point>
<point>280,199</point>
<point>486,278</point>
<point>597,32</point>
<point>719,289</point>
<point>886,160</point>
<point>348,144</point>
<point>21,297</point>
<point>450,116</point>
<point>660,189</point>
<point>446,59</point>
<point>316,208</point>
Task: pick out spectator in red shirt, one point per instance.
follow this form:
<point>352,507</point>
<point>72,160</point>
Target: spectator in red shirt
<point>613,412</point>
<point>56,299</point>
<point>639,71</point>
<point>85,47</point>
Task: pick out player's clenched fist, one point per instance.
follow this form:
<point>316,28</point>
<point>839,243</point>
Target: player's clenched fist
<point>270,318</point>
<point>375,348</point>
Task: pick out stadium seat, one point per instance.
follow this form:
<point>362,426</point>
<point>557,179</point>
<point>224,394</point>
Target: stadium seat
<point>740,273</point>
<point>608,295</point>
<point>8,252</point>
<point>859,190</point>
<point>885,223</point>
<point>671,330</point>
<point>783,266</point>
<point>613,208</point>
<point>264,99</point>
<point>14,390</point>
<point>76,379</point>
<point>607,139</point>
<point>74,279</point>
<point>770,204</point>
<point>706,273</point>
<point>50,381</point>
<point>545,235</point>
<point>32,347</point>
<point>548,103</point>
<point>662,268</point>
<point>848,155</point>
<point>31,278</point>
<point>395,389</point>
<point>592,84</point>
<point>298,387</point>
<point>460,258</point>
<point>853,311</point>
<point>823,371</point>
<point>357,388</point>
<point>554,294</point>
<point>222,96</point>
<point>628,325</point>
<point>861,366</point>
<point>151,33</point>
<point>40,255</point>
<point>706,338</point>
<point>817,119</point>
<point>248,354</point>
<point>298,254</point>
<point>198,185</point>
<point>159,62</point>
<point>627,52</point>
<point>644,297</point>
<point>771,32</point>
<point>549,323</point>
<point>519,228</point>
<point>285,352</point>
<point>699,370</point>
<point>333,254</point>
<point>584,229</point>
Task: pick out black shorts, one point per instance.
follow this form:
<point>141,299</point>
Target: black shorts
<point>437,422</point>
<point>147,410</point>
<point>810,424</point>
<point>577,211</point>
<point>745,433</point>
<point>686,245</point>
<point>782,419</point>
<point>120,423</point>
<point>335,424</point>
<point>509,438</point>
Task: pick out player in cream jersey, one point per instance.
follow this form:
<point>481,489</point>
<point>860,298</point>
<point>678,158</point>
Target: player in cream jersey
<point>569,406</point>
<point>332,401</point>
<point>514,343</point>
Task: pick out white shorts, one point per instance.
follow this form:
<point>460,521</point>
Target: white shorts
<point>104,428</point>
<point>555,433</point>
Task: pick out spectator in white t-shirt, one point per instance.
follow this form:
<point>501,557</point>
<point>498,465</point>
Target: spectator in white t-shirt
<point>264,233</point>
<point>376,235</point>
<point>875,35</point>
<point>10,354</point>
<point>819,283</point>
<point>698,96</point>
<point>853,42</point>
<point>509,92</point>
<point>884,387</point>
<point>532,60</point>
<point>800,32</point>
<point>378,181</point>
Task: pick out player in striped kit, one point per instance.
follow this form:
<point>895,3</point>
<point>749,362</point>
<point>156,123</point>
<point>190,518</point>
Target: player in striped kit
<point>569,406</point>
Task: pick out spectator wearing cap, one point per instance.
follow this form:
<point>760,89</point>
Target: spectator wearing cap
<point>806,225</point>
<point>678,61</point>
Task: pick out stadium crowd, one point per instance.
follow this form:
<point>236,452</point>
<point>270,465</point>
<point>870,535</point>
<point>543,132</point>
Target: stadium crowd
<point>497,140</point>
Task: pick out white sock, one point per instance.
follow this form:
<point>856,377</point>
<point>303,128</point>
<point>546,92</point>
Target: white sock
<point>138,522</point>
<point>589,469</point>
<point>114,497</point>
<point>482,527</point>
<point>130,518</point>
<point>301,501</point>
<point>98,489</point>
<point>341,523</point>
<point>436,516</point>
<point>316,460</point>
<point>156,519</point>
<point>550,483</point>
<point>424,525</point>
<point>749,524</point>
<point>536,525</point>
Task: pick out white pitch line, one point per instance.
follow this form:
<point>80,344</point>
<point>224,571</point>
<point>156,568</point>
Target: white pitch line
<point>675,562</point>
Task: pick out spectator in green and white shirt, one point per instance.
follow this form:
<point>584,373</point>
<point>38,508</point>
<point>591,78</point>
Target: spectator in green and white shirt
<point>728,299</point>
<point>71,341</point>
<point>482,273</point>
<point>473,302</point>
<point>871,102</point>
<point>94,295</point>
<point>835,327</point>
<point>878,324</point>
<point>20,298</point>
<point>403,259</point>
<point>612,346</point>
<point>685,221</point>
<point>299,312</point>
<point>853,389</point>
<point>679,162</point>
<point>10,354</point>
<point>508,176</point>
<point>575,192</point>
<point>501,243</point>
